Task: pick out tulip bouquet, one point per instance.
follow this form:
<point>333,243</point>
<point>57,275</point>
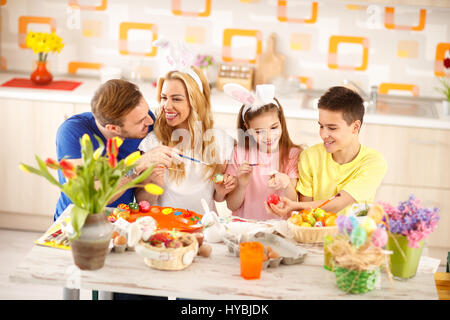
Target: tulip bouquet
<point>91,185</point>
<point>42,43</point>
<point>410,219</point>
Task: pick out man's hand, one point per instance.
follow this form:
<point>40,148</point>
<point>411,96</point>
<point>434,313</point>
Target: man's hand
<point>161,156</point>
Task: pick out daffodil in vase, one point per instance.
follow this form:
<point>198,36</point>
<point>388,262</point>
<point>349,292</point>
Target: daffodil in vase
<point>91,186</point>
<point>43,43</point>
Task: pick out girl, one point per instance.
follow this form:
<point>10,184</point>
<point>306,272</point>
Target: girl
<point>185,121</point>
<point>265,159</point>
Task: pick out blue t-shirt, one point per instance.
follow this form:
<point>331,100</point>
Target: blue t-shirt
<point>68,145</point>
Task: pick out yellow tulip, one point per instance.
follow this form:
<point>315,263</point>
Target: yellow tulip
<point>153,189</point>
<point>132,158</point>
<point>97,154</point>
<point>118,141</point>
<point>24,168</point>
<point>85,139</point>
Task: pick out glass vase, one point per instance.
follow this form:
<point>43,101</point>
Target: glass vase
<point>403,266</point>
<point>41,76</point>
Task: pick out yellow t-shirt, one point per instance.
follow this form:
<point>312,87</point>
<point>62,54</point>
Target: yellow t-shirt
<point>320,177</point>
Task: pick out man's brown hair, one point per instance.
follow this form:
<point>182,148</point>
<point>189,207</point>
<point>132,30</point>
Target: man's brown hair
<point>345,100</point>
<point>114,100</point>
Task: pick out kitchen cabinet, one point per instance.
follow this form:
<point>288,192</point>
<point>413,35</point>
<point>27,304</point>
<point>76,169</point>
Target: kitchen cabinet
<point>421,3</point>
<point>28,129</point>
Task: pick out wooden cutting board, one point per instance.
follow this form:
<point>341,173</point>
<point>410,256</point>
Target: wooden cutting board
<point>269,64</point>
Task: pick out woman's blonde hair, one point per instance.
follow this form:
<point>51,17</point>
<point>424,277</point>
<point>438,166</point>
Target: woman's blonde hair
<point>200,113</point>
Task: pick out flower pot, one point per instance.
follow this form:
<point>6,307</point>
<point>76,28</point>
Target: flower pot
<point>402,266</point>
<point>41,75</point>
<point>355,281</point>
<point>90,249</point>
<point>445,108</point>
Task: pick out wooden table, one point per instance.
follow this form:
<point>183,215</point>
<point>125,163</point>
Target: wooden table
<point>215,277</point>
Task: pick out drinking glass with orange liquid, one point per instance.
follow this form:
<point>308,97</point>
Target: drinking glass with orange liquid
<point>251,257</point>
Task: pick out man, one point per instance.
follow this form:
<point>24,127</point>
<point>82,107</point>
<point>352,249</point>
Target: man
<point>118,110</point>
<point>340,166</point>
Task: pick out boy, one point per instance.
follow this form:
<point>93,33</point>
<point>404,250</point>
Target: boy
<point>340,166</point>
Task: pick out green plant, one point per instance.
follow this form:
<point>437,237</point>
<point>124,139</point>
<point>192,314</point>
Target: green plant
<point>91,185</point>
<point>445,89</point>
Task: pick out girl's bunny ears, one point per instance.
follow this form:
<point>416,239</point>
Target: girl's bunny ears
<point>264,95</point>
<point>179,58</point>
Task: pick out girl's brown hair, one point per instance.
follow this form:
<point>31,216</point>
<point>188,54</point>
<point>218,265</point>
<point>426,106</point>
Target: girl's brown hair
<point>113,100</point>
<point>285,143</point>
<point>200,113</point>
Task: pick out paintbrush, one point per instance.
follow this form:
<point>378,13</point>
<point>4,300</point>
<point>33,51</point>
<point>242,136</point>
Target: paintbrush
<point>194,160</point>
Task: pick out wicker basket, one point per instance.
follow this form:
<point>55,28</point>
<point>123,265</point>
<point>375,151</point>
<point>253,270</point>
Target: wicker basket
<point>311,234</point>
<point>168,258</point>
<point>354,281</point>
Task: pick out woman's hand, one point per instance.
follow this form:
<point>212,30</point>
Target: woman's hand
<point>279,181</point>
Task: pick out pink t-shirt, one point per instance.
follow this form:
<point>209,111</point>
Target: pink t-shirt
<point>257,190</point>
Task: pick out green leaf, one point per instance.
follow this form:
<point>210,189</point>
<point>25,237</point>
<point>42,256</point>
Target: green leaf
<point>78,218</point>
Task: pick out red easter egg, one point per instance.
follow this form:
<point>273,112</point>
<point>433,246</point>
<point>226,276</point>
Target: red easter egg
<point>273,198</point>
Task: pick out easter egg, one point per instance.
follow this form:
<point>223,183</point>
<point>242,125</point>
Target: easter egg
<point>218,178</point>
<point>318,224</point>
<point>369,225</point>
<point>144,206</point>
<point>379,238</point>
<point>273,198</point>
<point>305,224</point>
<point>353,221</point>
<point>358,236</point>
<point>330,221</point>
<point>310,219</point>
<point>344,224</point>
<point>376,212</point>
<point>318,213</point>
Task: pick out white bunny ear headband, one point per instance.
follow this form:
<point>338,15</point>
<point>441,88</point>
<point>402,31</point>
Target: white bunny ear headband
<point>265,94</point>
<point>179,58</point>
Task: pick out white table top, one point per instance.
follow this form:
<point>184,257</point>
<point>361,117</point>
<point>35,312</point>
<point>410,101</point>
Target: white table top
<point>215,277</point>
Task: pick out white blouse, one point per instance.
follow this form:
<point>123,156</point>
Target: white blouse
<point>186,194</point>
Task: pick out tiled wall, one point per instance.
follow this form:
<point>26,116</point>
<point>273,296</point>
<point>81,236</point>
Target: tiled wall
<point>398,48</point>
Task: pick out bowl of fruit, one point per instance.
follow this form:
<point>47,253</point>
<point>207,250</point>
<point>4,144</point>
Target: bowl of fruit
<point>312,226</point>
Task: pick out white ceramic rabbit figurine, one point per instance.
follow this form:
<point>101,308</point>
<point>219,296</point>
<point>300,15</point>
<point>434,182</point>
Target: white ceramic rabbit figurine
<point>214,231</point>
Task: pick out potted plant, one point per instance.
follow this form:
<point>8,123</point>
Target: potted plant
<point>43,43</point>
<point>408,225</point>
<point>90,186</point>
<point>445,90</point>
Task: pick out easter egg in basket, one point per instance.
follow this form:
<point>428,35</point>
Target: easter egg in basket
<point>311,226</point>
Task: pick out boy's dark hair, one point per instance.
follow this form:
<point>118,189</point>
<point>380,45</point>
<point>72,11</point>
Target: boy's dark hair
<point>345,100</point>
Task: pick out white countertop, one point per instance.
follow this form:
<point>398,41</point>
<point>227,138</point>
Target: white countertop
<point>220,102</point>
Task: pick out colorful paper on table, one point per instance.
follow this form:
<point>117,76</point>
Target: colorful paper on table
<point>54,85</point>
<point>55,227</point>
<point>172,218</point>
